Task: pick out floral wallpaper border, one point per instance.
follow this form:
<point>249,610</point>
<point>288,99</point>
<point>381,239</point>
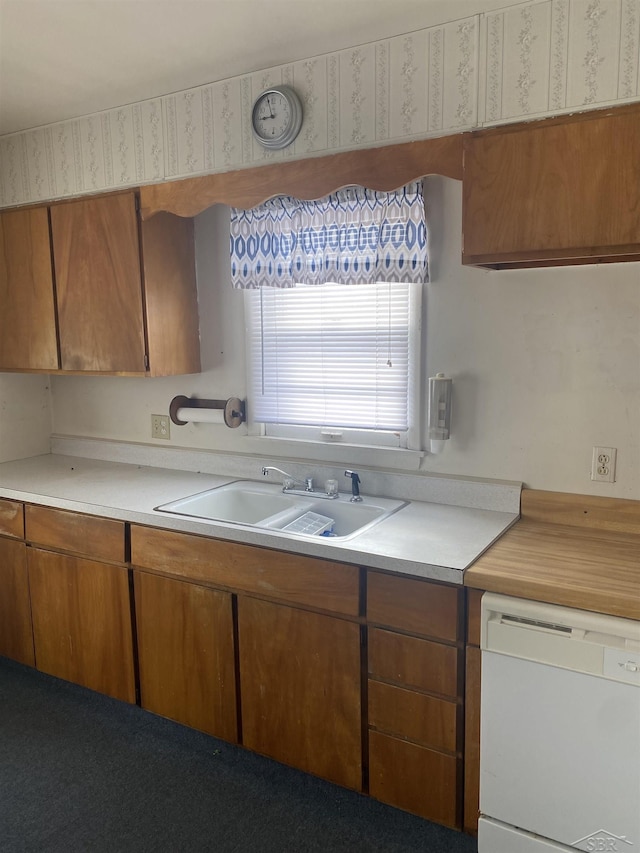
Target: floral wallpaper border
<point>525,61</point>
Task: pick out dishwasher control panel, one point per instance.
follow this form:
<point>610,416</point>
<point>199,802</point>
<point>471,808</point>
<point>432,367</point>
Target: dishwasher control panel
<point>590,643</point>
<point>622,666</point>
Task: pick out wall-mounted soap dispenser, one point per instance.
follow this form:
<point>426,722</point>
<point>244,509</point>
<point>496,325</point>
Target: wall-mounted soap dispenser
<point>439,411</point>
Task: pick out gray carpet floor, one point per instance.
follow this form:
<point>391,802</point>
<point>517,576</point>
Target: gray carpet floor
<point>81,772</point>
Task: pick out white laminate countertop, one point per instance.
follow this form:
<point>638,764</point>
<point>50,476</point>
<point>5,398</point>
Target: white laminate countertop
<point>423,539</point>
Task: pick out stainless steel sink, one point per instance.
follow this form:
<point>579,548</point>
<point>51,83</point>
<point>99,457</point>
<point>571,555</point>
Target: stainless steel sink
<point>266,506</point>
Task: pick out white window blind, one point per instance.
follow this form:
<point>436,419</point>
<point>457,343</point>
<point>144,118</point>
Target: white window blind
<point>334,355</point>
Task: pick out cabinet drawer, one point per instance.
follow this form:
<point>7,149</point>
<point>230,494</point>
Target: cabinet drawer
<point>272,574</point>
<point>11,519</point>
<point>413,662</point>
<point>414,778</point>
<point>100,538</point>
<point>416,606</point>
<point>414,716</point>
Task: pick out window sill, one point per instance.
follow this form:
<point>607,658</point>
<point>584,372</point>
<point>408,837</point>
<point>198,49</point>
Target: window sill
<point>342,452</point>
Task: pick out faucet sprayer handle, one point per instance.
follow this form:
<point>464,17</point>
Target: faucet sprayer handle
<point>355,485</point>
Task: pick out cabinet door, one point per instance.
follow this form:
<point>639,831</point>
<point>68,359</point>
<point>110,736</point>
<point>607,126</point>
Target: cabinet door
<point>99,292</point>
<point>185,650</point>
<point>27,313</point>
<point>559,189</point>
<point>300,689</point>
<point>171,298</point>
<point>16,637</point>
<point>82,622</point>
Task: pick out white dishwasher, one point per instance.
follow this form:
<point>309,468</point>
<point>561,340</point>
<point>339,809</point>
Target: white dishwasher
<point>560,729</point>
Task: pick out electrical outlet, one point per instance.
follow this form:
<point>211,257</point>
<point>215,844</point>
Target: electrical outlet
<point>603,464</point>
<point>160,426</point>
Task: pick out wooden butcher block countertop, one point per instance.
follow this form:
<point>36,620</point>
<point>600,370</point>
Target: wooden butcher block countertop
<point>574,550</point>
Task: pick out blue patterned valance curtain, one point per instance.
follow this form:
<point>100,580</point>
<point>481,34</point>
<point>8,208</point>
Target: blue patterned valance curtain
<point>353,236</point>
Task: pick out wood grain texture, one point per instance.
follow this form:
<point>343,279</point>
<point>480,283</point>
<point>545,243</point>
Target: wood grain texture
<point>585,511</point>
<point>424,719</point>
<point>585,568</point>
<point>11,518</point>
<point>82,622</point>
<point>97,263</point>
<point>474,601</point>
<point>28,337</point>
<point>16,633</point>
<point>300,687</point>
<point>416,606</point>
<point>472,740</point>
<point>186,654</point>
<point>383,168</point>
<point>553,189</point>
<point>171,300</point>
<point>413,662</point>
<point>98,538</point>
<point>278,575</point>
<point>416,779</point>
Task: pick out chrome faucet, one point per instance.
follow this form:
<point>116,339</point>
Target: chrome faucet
<point>289,481</point>
<point>289,485</point>
<point>355,486</point>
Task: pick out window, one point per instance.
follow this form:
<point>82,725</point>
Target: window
<point>336,363</point>
<point>333,308</point>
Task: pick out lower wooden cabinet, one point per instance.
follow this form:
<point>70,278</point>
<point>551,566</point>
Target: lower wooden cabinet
<point>82,622</point>
<point>300,684</point>
<point>473,666</point>
<point>415,705</point>
<point>419,717</point>
<point>186,653</point>
<point>414,778</point>
<point>278,652</point>
<point>16,634</point>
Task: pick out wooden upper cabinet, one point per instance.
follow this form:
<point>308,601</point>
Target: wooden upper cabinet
<point>555,191</point>
<point>27,310</point>
<point>97,263</point>
<point>126,295</point>
<point>170,297</point>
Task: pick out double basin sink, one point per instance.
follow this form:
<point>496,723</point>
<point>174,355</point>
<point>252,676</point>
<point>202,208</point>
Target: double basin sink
<point>269,507</point>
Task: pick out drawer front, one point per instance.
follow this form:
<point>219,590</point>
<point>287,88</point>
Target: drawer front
<point>414,716</point>
<point>99,538</point>
<point>416,606</point>
<point>11,519</point>
<point>414,778</point>
<point>273,574</point>
<point>412,662</point>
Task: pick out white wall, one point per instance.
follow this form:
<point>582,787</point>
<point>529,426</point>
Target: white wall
<point>25,416</point>
<point>546,363</point>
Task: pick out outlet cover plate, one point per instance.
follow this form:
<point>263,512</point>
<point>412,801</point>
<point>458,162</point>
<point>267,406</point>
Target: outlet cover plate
<point>603,464</point>
<point>160,426</point>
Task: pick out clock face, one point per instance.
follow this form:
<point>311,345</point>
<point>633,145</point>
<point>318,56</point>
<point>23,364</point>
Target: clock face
<point>277,117</point>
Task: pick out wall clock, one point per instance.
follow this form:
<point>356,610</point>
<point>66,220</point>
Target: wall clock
<point>277,117</point>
